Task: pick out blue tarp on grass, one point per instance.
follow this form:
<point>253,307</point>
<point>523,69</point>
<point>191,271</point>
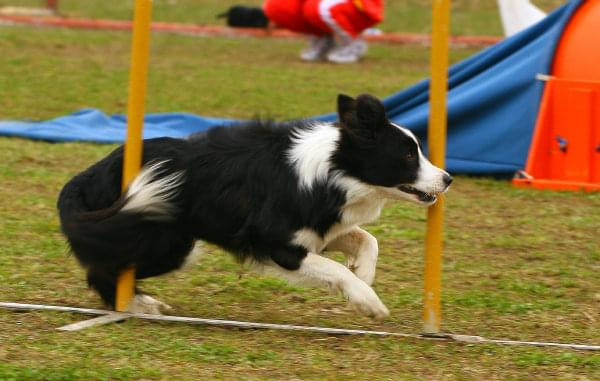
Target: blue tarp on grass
<point>493,102</point>
<point>92,125</point>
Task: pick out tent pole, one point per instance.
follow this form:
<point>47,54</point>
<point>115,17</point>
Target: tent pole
<point>436,137</point>
<point>132,159</point>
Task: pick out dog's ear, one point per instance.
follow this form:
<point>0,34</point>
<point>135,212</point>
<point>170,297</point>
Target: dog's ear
<point>363,116</point>
<point>346,107</point>
<point>370,111</point>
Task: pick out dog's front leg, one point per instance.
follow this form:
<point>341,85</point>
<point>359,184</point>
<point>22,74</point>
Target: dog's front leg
<point>361,252</point>
<point>316,270</point>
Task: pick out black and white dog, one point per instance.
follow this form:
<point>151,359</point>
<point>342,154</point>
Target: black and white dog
<point>274,195</point>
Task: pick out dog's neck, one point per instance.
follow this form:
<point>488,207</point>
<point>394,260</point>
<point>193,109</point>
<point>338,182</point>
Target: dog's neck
<point>311,151</point>
<point>363,202</point>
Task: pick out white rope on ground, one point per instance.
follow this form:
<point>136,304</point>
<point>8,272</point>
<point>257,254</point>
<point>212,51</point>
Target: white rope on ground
<point>251,325</point>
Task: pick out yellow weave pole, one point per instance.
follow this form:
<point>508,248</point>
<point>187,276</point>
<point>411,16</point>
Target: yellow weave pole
<point>436,136</point>
<point>138,74</point>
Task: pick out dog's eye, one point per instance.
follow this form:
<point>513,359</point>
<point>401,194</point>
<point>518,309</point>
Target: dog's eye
<point>411,156</point>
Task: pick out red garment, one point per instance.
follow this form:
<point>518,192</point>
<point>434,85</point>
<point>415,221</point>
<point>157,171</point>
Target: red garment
<point>320,17</point>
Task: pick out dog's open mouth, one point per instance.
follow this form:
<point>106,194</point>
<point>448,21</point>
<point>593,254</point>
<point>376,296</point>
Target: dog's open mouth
<point>422,196</point>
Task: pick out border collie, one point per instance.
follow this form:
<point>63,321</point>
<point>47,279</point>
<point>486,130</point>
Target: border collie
<point>276,195</point>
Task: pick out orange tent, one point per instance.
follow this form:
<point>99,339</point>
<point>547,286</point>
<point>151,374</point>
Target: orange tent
<point>565,151</point>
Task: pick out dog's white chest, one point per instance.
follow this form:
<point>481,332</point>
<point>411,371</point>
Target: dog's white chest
<point>362,211</point>
<point>354,214</point>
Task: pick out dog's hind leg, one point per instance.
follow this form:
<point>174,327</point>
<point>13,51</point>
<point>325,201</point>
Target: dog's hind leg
<point>165,250</point>
<point>104,281</point>
<point>361,251</point>
<point>194,256</point>
<point>169,250</point>
<point>145,304</point>
<point>316,270</point>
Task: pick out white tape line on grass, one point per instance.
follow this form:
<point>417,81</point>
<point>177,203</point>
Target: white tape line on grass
<point>112,316</point>
<point>214,322</point>
<point>99,320</point>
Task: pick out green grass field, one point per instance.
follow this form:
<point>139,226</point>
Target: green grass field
<point>518,264</point>
<point>470,16</point>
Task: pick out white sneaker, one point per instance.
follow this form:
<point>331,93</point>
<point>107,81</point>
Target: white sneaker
<point>348,51</point>
<point>317,48</point>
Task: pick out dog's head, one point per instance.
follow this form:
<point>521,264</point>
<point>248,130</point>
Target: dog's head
<point>385,155</point>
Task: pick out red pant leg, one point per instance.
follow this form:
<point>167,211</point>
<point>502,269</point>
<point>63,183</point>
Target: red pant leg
<point>288,14</point>
<point>311,14</point>
<point>339,16</point>
<point>350,19</point>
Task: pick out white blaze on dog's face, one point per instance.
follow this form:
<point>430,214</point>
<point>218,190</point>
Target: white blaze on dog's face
<point>430,180</point>
<point>385,155</point>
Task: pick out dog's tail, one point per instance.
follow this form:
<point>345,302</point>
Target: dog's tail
<point>114,235</point>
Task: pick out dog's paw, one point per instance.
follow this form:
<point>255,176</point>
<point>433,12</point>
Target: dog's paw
<point>364,262</point>
<point>145,304</point>
<point>363,269</point>
<point>364,300</point>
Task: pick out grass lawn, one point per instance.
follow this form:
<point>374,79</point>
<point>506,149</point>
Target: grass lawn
<point>517,264</point>
<point>469,16</point>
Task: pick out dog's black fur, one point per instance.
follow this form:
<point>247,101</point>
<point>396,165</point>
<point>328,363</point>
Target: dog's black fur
<point>238,190</point>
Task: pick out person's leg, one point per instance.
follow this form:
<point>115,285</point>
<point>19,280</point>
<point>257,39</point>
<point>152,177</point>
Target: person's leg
<point>320,44</point>
<point>288,14</point>
<point>311,13</point>
<point>349,22</point>
<point>345,18</point>
<point>346,22</point>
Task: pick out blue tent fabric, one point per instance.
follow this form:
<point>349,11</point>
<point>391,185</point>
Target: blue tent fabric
<point>92,125</point>
<point>493,102</point>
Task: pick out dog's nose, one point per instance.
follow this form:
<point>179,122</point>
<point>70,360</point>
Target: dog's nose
<point>448,180</point>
